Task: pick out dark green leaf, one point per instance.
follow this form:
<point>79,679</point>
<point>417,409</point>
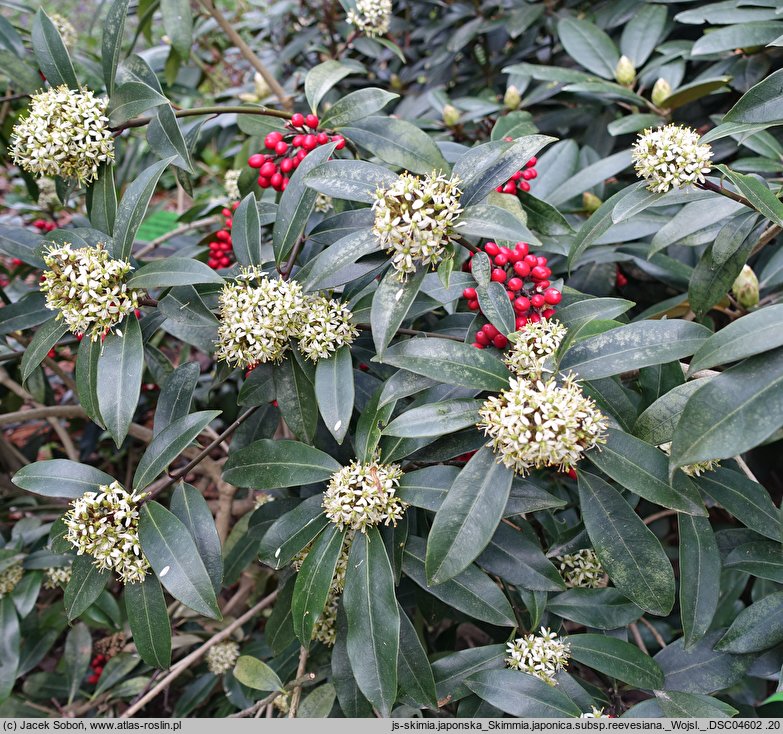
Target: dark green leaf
<point>390,305</point>
<point>176,395</point>
<point>10,639</point>
<point>699,569</point>
<point>173,271</point>
<point>494,304</point>
<point>656,424</point>
<point>50,52</point>
<point>600,608</point>
<point>435,419</point>
<point>85,586</point>
<point>762,559</point>
<point>165,137</point>
<point>292,532</point>
<point>87,378</point>
<point>60,478</point>
<point>413,668</point>
<point>756,628</point>
<point>178,24</point>
<point>102,199</point>
<point>77,655</point>
<point>132,98</point>
<point>149,622</point>
<point>740,36</point>
<point>43,340</point>
<point>246,232</point>
<point>350,180</point>
<point>762,103</point>
<point>296,399</point>
<point>757,192</point>
<point>451,670</point>
<point>320,79</point>
<point>334,391</point>
<point>617,659</point>
<point>356,106</point>
<point>589,46</point>
<point>111,43</point>
<point>677,704</point>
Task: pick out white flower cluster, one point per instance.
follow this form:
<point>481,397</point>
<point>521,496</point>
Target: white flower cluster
<point>414,217</point>
<point>65,134</point>
<point>105,525</point>
<point>57,577</point>
<point>87,287</point>
<point>323,203</point>
<point>693,470</point>
<point>532,346</point>
<point>222,657</point>
<point>670,157</point>
<point>364,495</point>
<point>327,325</point>
<point>371,17</point>
<point>543,655</point>
<point>64,28</point>
<point>595,713</point>
<point>283,703</point>
<point>540,424</point>
<point>231,184</point>
<point>582,570</point>
<point>10,577</point>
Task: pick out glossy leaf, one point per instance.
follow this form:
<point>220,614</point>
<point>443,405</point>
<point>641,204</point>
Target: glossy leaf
<point>256,674</point>
<point>60,478</point>
<point>617,659</point>
<point>699,568</point>
<point>390,304</point>
<point>334,391</point>
<point>86,584</point>
<point>50,52</point>
<point>246,232</point>
<point>149,621</point>
<point>756,628</point>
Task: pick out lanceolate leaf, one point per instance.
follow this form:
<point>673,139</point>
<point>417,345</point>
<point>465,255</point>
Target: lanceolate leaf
<point>60,478</point>
<point>435,419</point>
<point>172,271</point>
<point>86,584</point>
<point>176,395</point>
<point>390,305</point>
<point>111,44</point>
<point>44,339</point>
<point>246,232</point>
<point>495,305</point>
<point>756,628</point>
<point>10,642</point>
<point>296,398</point>
<point>292,532</point>
<point>149,621</point>
<point>50,52</point>
<point>616,658</point>
<point>413,668</point>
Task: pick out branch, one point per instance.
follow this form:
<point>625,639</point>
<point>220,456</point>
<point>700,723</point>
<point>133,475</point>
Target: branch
<point>415,332</point>
<point>767,236</point>
<point>46,411</point>
<point>199,111</point>
<point>297,694</point>
<point>182,229</point>
<point>709,186</point>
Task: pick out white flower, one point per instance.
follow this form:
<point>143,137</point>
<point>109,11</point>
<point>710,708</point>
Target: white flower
<point>87,287</point>
<point>263,498</point>
<point>57,577</point>
<point>105,525</point>
<point>543,655</point>
<point>595,713</point>
<point>10,577</point>
<point>363,495</point>
<point>257,322</point>
<point>582,570</point>
<point>323,203</point>
<point>532,346</point>
<point>66,134</point>
<point>371,17</point>
<point>222,657</point>
<point>693,470</point>
<point>64,28</point>
<point>541,424</point>
<point>231,184</point>
<point>671,157</point>
<point>414,217</point>
<point>327,325</point>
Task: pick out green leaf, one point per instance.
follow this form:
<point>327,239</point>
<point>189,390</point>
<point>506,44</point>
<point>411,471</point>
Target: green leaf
<point>370,426</point>
<point>468,517</point>
<point>617,659</point>
<point>178,24</point>
<point>172,271</point>
<point>733,412</point>
<point>256,674</point>
<point>731,237</point>
<point>132,98</point>
<point>740,36</point>
<point>268,464</point>
<point>695,90</point>
<point>677,704</point>
<point>320,79</point>
<point>760,558</point>
<point>120,369</point>
<point>313,582</point>
<point>246,232</point>
<point>656,424</point>
<point>522,695</point>
<point>435,419</point>
<point>471,592</point>
<point>111,43</point>
<point>318,703</point>
<point>76,656</point>
<point>451,670</point>
<point>296,204</point>
<point>86,584</point>
<point>756,628</point>
<point>488,220</point>
<point>590,176</point>
<point>132,208</point>
<point>10,641</point>
<point>329,267</point>
<point>334,391</point>
<point>176,395</point>
<point>762,103</point>
<point>636,345</point>
<point>643,469</point>
<point>449,362</point>
<point>699,568</point>
<point>575,315</point>
<point>634,123</point>
<point>642,33</point>
<point>102,199</point>
<point>356,106</point>
<point>47,335</point>
<point>628,550</point>
<point>21,243</point>
<point>390,305</point>
<point>259,387</point>
<point>350,180</point>
<point>373,620</point>
<point>50,52</point>
<point>149,622</point>
<point>604,609</point>
<point>165,137</point>
<point>296,399</point>
<point>757,193</point>
<point>494,304</point>
<point>414,673</point>
<point>173,555</point>
<point>60,478</point>
<point>292,532</point>
<point>87,378</point>
<point>396,142</point>
<point>589,46</point>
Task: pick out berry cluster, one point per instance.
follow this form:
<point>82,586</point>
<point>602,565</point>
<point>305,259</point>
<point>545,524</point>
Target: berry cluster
<point>289,149</point>
<point>97,664</point>
<point>221,251</point>
<point>43,226</point>
<point>519,181</point>
<point>526,279</point>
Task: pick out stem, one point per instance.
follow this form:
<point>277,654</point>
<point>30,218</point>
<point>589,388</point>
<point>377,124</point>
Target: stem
<point>709,186</point>
<point>182,229</point>
<point>199,111</point>
<point>297,694</point>
<point>416,332</point>
<point>289,266</point>
<point>767,236</point>
<point>467,245</point>
<point>148,301</point>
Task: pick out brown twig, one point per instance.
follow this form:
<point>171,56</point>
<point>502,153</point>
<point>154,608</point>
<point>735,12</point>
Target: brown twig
<point>637,636</point>
<point>659,516</point>
<point>201,111</point>
<point>767,236</point>
<point>654,632</point>
<point>297,692</point>
<point>415,332</point>
<point>709,186</point>
<point>182,229</point>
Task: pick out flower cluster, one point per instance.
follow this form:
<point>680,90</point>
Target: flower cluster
<point>519,180</point>
<point>87,287</point>
<point>541,424</point>
<point>693,470</point>
<point>222,657</point>
<point>64,28</point>
<point>414,218</point>
<point>105,525</point>
<point>10,577</point>
<point>371,17</point>
<point>289,149</point>
<point>595,713</point>
<point>543,655</point>
<point>363,495</point>
<point>582,570</point>
<point>221,249</point>
<point>670,157</point>
<point>47,197</point>
<point>231,183</point>
<point>326,327</point>
<point>57,577</point>
<point>532,346</point>
<point>66,134</point>
<point>323,203</point>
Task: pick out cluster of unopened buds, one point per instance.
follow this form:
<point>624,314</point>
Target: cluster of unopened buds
<point>97,665</point>
<point>43,226</point>
<point>289,149</point>
<point>221,250</point>
<point>519,180</point>
<point>526,279</point>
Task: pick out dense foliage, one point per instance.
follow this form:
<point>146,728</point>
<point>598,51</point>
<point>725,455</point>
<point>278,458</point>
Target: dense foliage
<point>396,358</point>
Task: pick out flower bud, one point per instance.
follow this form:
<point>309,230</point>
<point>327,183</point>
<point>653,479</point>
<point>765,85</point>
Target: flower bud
<point>590,202</point>
<point>451,115</point>
<point>261,87</point>
<point>746,288</point>
<point>512,98</point>
<point>625,72</point>
<point>661,92</point>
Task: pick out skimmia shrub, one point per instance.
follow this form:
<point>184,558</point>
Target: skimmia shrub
<point>383,357</point>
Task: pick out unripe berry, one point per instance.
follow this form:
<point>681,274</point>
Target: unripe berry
<point>256,160</point>
<point>552,296</point>
<point>311,121</point>
<point>491,248</point>
<point>537,300</point>
<point>297,119</point>
<point>499,275</point>
<point>590,202</point>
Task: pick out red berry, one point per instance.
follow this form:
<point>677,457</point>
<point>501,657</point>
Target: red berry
<point>549,313</point>
<point>490,331</point>
<point>521,268</point>
<point>322,138</point>
<point>477,345</point>
<point>520,322</point>
<point>51,354</point>
<point>223,236</point>
<point>572,475</point>
<point>532,162</point>
<point>501,260</point>
<point>521,248</point>
<point>213,263</point>
<point>284,184</point>
<point>310,142</point>
<point>523,185</point>
<point>542,285</point>
<point>256,161</point>
<point>534,318</point>
<point>264,182</point>
<point>276,181</point>
<point>297,119</point>
<point>340,142</point>
<point>621,280</point>
<point>229,223</point>
<point>481,337</point>
<point>225,247</point>
<point>500,341</point>
<point>499,189</point>
<point>98,670</point>
<point>539,272</point>
<point>511,295</point>
<point>537,300</point>
<point>526,174</point>
<point>93,679</point>
<point>297,141</point>
<point>522,304</point>
<point>235,205</point>
<point>552,296</point>
<point>268,169</point>
<point>531,260</point>
<point>491,249</point>
<point>514,284</point>
<point>281,148</point>
<point>541,260</point>
<point>300,156</point>
<point>509,188</point>
<point>499,275</point>
<point>16,262</point>
<point>287,165</point>
<point>226,212</point>
<point>469,293</point>
<point>311,121</point>
<point>272,139</point>
<point>533,172</point>
<point>473,305</point>
<point>516,176</point>
<point>224,262</point>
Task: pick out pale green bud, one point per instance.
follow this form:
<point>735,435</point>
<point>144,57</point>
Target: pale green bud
<point>512,98</point>
<point>661,92</point>
<point>746,288</point>
<point>451,115</point>
<point>625,72</point>
<point>590,202</point>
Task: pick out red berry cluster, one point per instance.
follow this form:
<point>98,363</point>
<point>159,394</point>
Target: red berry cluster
<point>97,668</point>
<point>526,279</point>
<point>44,226</point>
<point>289,149</point>
<point>519,181</point>
<point>221,251</point>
